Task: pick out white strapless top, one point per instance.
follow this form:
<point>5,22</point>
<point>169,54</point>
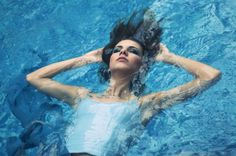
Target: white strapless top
<point>94,124</point>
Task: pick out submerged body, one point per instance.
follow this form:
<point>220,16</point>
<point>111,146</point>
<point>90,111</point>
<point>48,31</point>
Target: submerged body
<point>95,123</point>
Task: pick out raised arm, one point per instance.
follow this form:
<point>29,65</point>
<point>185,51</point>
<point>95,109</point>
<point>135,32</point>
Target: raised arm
<point>204,74</point>
<point>41,78</point>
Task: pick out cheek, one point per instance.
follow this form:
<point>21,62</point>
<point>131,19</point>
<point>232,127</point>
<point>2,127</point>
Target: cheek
<point>112,59</point>
<point>138,61</point>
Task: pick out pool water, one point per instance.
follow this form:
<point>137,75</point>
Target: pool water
<point>36,33</point>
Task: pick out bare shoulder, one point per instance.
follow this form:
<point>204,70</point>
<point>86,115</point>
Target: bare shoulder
<point>150,98</point>
<point>150,105</point>
<point>79,93</point>
<point>82,92</point>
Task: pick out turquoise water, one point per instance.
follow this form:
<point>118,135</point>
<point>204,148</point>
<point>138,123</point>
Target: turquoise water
<point>34,34</point>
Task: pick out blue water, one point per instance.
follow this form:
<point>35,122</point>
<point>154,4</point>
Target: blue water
<point>36,33</point>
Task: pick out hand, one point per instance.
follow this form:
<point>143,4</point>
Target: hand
<point>164,53</point>
<point>95,55</point>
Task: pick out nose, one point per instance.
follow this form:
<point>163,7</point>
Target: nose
<point>124,51</point>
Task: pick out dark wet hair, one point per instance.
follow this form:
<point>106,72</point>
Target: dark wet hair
<point>142,28</point>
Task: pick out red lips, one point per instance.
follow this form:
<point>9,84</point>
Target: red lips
<point>122,58</point>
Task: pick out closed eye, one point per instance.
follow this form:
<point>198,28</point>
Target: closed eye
<point>135,51</point>
<point>116,49</point>
<point>130,49</point>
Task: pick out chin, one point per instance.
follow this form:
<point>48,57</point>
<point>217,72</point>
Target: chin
<point>123,69</point>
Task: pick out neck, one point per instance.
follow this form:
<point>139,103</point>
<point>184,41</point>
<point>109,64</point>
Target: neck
<point>119,88</point>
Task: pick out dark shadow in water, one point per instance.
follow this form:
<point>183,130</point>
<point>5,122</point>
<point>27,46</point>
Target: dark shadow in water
<point>33,110</point>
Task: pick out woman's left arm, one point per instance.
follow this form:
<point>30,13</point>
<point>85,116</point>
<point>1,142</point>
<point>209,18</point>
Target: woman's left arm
<point>204,74</point>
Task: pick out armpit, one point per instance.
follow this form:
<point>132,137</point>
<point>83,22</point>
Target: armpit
<point>148,111</point>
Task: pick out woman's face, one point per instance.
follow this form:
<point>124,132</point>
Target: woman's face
<point>127,56</point>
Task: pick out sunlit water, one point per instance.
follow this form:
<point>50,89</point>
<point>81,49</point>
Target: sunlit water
<point>35,33</point>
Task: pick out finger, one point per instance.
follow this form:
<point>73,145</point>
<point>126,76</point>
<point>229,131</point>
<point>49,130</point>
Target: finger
<point>163,46</point>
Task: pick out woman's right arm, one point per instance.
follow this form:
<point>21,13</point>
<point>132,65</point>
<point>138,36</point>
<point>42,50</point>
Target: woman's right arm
<point>41,78</point>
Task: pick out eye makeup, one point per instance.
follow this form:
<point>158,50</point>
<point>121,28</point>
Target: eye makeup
<point>130,49</point>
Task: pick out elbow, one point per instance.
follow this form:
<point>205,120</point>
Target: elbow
<point>217,74</point>
<point>213,76</point>
<point>30,77</point>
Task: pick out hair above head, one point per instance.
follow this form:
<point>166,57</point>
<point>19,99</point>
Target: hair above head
<point>141,27</point>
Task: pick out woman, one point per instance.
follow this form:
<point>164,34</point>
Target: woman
<point>133,46</point>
